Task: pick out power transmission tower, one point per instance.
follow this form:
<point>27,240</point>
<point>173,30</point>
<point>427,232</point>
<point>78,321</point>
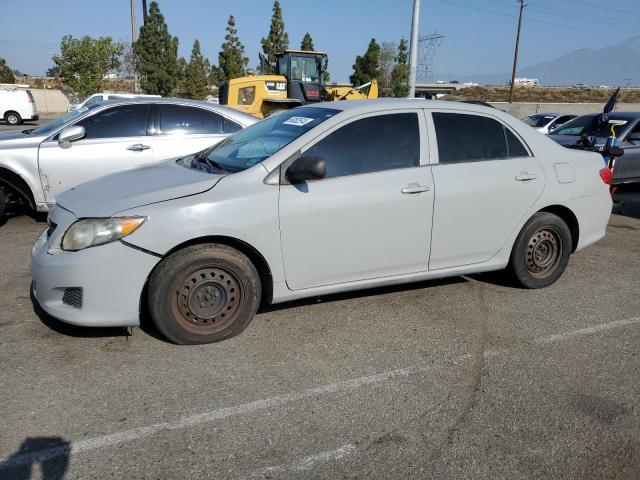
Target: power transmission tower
<point>515,56</point>
<point>134,39</point>
<point>428,46</point>
<point>413,62</point>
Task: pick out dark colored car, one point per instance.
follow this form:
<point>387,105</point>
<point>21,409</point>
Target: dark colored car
<point>626,168</point>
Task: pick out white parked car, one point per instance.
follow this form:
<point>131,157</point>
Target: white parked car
<point>547,122</point>
<point>319,199</point>
<point>38,164</point>
<point>103,97</point>
<point>17,105</point>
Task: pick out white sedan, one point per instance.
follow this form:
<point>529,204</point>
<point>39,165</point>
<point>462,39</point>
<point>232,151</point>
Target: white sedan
<point>319,199</point>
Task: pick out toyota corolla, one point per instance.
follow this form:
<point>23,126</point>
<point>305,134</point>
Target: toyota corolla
<point>335,197</point>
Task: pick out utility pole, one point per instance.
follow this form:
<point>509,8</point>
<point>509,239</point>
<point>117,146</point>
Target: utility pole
<point>134,38</point>
<point>144,11</point>
<point>515,56</point>
<point>413,63</point>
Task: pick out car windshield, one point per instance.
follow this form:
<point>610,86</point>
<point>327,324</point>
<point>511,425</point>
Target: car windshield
<point>258,142</point>
<point>577,126</point>
<point>538,121</point>
<point>58,122</point>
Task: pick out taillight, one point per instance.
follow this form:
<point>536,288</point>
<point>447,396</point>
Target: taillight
<point>606,175</point>
<point>30,95</point>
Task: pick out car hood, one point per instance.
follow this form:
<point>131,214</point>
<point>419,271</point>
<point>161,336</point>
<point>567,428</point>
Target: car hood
<point>18,139</point>
<point>108,195</point>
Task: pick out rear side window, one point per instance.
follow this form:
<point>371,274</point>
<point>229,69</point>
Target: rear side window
<point>472,138</point>
<point>373,144</point>
<point>183,120</point>
<point>122,121</point>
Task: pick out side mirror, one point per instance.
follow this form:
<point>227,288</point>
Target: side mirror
<point>70,134</point>
<point>306,168</point>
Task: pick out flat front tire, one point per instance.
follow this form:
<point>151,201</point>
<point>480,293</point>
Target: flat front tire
<point>204,294</point>
<point>541,252</point>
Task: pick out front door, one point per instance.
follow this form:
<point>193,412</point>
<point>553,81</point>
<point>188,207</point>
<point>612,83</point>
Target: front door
<point>486,181</point>
<point>115,139</point>
<point>371,216</point>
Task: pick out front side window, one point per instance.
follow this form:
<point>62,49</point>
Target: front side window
<point>121,121</point>
<point>258,142</point>
<point>305,69</point>
<point>183,120</point>
<point>472,138</point>
<point>372,144</point>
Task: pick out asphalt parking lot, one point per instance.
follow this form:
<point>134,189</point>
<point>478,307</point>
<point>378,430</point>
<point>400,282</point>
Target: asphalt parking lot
<point>462,378</point>
<point>5,127</point>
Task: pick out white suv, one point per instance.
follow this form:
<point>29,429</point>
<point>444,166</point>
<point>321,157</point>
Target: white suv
<point>17,105</point>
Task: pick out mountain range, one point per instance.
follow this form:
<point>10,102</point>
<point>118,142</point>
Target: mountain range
<point>611,65</point>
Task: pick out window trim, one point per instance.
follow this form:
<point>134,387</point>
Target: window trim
<point>422,131</point>
<point>435,153</point>
<point>154,123</point>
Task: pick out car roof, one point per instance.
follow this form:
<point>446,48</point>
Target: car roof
<point>370,106</point>
<point>241,117</point>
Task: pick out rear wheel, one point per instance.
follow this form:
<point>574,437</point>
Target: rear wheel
<point>3,203</point>
<point>203,294</point>
<point>541,251</point>
<point>13,118</point>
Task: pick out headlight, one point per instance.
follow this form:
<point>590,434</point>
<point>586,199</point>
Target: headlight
<point>98,231</point>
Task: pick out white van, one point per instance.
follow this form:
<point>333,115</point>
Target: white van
<point>17,105</point>
<point>102,97</point>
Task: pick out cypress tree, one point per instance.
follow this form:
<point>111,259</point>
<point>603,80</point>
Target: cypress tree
<point>367,66</point>
<point>400,74</point>
<point>231,60</point>
<point>196,74</point>
<point>156,53</point>
<point>277,41</point>
<point>307,43</point>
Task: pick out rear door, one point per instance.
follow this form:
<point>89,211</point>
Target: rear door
<point>181,130</point>
<point>371,216</point>
<point>485,182</point>
<point>115,139</point>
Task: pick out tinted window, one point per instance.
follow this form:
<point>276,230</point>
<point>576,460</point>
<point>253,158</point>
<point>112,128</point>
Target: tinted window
<point>470,138</point>
<point>230,127</point>
<point>123,121</point>
<point>181,120</point>
<point>373,144</point>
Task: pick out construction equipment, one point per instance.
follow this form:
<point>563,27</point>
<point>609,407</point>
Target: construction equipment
<point>298,81</point>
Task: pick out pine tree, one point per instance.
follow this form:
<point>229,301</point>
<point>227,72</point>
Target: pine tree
<point>196,74</point>
<point>156,54</point>
<point>277,41</point>
<point>307,43</point>
<point>367,66</point>
<point>6,75</point>
<point>231,60</point>
<point>400,74</point>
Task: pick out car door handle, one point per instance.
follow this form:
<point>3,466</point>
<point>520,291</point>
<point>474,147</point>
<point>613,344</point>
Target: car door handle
<point>526,177</point>
<point>415,188</point>
<point>138,147</point>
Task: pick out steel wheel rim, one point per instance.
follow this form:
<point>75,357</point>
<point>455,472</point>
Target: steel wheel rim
<point>543,253</point>
<point>206,300</point>
<point>12,120</point>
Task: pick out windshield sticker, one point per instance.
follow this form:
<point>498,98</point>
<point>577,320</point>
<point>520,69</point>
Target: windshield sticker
<point>618,122</point>
<point>298,121</point>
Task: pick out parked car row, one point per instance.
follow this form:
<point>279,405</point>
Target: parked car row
<point>319,199</point>
<point>37,164</point>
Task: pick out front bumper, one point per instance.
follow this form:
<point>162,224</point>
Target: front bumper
<point>108,279</point>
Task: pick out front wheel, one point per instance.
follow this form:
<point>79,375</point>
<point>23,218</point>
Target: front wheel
<point>541,251</point>
<point>203,294</point>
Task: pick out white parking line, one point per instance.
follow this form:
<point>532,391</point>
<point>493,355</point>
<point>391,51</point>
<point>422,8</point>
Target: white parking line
<point>247,408</point>
<point>308,462</point>
<point>202,418</point>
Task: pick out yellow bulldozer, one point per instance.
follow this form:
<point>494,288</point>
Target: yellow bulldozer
<point>298,81</point>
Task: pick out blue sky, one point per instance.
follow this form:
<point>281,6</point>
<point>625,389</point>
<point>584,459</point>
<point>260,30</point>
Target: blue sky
<point>479,33</point>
